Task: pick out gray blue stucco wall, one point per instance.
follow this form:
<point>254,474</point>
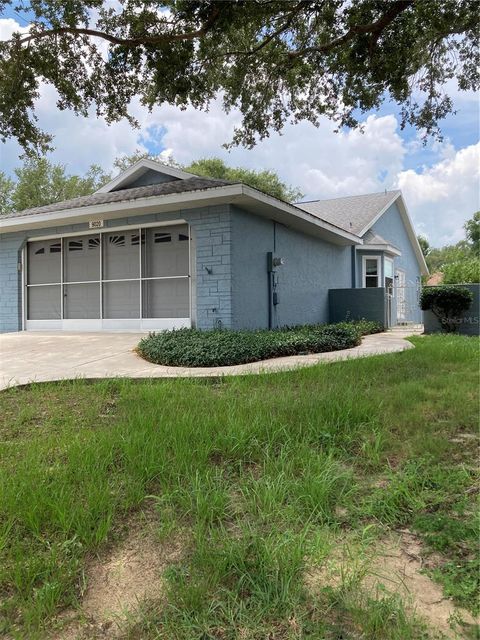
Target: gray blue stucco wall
<point>390,226</point>
<point>211,236</point>
<point>312,266</point>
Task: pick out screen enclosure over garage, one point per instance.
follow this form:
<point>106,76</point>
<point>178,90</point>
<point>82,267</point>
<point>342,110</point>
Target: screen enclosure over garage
<point>129,279</point>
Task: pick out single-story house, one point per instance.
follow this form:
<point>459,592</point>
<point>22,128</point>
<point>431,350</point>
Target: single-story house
<point>160,248</point>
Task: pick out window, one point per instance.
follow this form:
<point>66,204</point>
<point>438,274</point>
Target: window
<point>93,243</point>
<point>388,274</point>
<point>371,271</point>
<point>182,237</point>
<point>117,241</point>
<point>162,237</point>
<point>75,245</point>
<point>56,247</point>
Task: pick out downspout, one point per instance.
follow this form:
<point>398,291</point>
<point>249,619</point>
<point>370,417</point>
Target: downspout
<point>354,266</point>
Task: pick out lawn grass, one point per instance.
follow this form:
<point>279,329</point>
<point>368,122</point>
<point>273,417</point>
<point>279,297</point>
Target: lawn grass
<point>262,474</point>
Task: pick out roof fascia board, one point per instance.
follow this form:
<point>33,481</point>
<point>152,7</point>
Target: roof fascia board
<point>112,210</point>
<point>413,236</point>
<point>240,194</point>
<point>388,248</point>
<point>138,169</point>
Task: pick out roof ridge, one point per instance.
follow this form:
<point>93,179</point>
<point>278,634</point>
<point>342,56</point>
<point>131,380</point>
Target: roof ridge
<point>106,195</point>
<point>359,195</point>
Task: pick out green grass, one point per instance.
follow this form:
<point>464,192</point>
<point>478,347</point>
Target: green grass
<point>261,475</point>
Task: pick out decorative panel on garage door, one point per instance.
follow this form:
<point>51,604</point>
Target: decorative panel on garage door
<point>166,252</point>
<point>44,262</point>
<point>81,258</point>
<point>121,255</point>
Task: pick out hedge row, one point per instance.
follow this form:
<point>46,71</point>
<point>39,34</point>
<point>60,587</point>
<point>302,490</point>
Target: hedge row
<point>222,347</point>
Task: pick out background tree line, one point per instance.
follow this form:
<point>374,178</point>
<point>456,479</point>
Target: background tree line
<point>39,182</point>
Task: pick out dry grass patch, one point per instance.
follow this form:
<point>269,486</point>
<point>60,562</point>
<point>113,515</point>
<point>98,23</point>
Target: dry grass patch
<point>120,581</point>
<point>393,566</point>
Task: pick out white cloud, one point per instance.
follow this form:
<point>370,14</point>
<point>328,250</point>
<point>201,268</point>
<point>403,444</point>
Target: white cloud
<point>8,26</point>
<point>443,196</point>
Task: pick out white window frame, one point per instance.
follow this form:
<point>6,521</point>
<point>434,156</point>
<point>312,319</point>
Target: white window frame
<point>392,262</point>
<point>364,270</point>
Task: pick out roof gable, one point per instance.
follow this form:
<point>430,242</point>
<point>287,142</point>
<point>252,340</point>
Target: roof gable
<point>145,172</point>
<point>355,214</point>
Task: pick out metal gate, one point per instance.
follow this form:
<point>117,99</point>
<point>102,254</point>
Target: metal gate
<point>403,302</point>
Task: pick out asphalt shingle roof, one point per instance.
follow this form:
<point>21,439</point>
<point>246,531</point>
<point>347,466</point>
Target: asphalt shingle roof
<point>162,189</point>
<point>352,213</point>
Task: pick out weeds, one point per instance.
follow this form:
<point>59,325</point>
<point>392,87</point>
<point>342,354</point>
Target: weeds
<point>264,473</point>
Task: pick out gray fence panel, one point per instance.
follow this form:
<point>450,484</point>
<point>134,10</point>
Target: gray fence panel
<point>357,304</point>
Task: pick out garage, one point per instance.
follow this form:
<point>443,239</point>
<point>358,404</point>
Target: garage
<point>124,279</point>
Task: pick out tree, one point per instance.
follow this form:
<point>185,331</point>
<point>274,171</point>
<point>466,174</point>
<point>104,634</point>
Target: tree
<point>466,271</point>
<point>7,188</point>
<point>40,182</point>
<point>123,162</point>
<point>266,180</point>
<point>439,257</point>
<point>472,231</point>
<point>424,245</point>
<point>275,60</point>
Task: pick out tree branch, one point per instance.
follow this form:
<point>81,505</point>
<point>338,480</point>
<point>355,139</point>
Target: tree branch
<point>127,42</point>
<point>274,34</point>
<point>375,28</point>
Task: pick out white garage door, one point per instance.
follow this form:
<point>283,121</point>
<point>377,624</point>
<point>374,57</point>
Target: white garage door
<point>125,280</point>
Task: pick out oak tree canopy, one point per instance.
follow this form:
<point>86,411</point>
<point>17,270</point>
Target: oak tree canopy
<point>275,60</point>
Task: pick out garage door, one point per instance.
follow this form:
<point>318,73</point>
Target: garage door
<point>125,280</point>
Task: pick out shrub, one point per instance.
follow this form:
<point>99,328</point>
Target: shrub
<point>447,303</point>
<point>369,326</point>
<point>222,347</point>
<point>462,272</point>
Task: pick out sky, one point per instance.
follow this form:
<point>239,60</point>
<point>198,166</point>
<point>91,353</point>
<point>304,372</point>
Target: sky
<point>440,181</point>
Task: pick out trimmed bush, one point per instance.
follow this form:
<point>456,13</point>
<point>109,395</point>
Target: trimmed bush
<point>447,303</point>
<point>222,347</point>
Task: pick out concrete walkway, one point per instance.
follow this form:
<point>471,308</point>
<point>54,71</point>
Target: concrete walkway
<point>40,357</point>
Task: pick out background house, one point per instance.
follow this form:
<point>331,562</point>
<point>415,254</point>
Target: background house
<point>158,248</point>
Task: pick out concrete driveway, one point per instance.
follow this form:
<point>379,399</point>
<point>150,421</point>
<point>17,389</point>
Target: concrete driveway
<point>38,357</point>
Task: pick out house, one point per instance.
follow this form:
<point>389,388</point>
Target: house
<point>158,248</point>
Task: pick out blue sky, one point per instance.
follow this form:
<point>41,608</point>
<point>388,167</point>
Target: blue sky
<point>440,181</point>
